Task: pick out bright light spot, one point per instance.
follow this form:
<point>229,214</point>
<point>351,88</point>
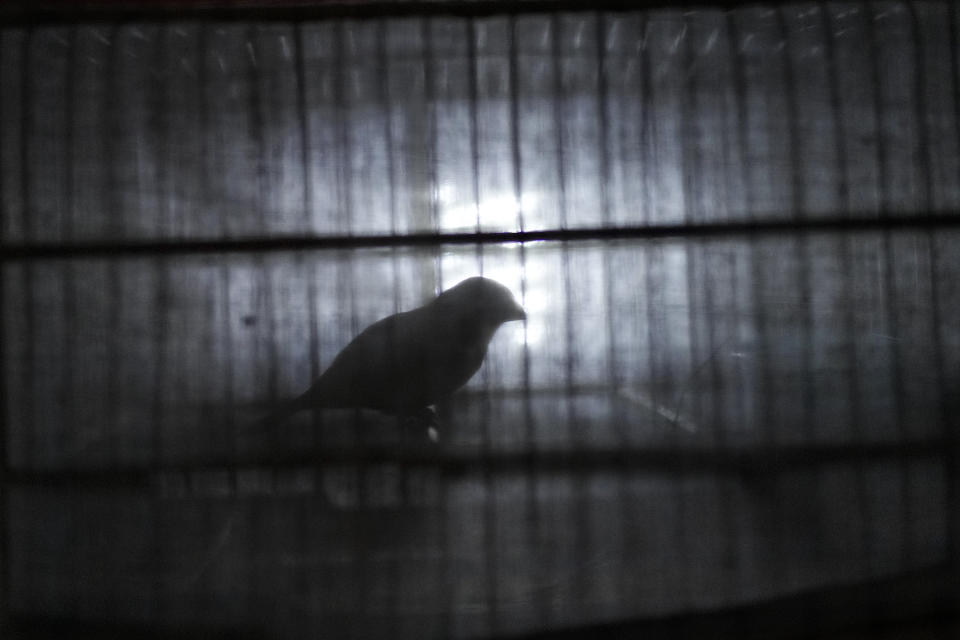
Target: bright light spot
<point>500,262</point>
<point>537,300</point>
<point>499,213</point>
<point>535,329</point>
<point>458,266</point>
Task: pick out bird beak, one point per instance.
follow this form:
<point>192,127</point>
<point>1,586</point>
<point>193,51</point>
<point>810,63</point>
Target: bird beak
<point>517,313</point>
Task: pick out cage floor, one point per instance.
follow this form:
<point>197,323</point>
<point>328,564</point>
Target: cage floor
<point>463,540</point>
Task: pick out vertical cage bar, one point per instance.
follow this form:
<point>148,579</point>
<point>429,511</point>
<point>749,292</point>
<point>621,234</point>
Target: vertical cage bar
<point>764,417</point>
<point>302,536</point>
<point>619,417</point>
<point>714,256</point>
<point>848,292</point>
<point>208,154</point>
<point>68,290</point>
<point>256,126</point>
<point>735,544</point>
<point>447,578</point>
<point>836,109</point>
<point>558,101</point>
<point>516,156</point>
<point>486,439</point>
<point>924,149</point>
<point>691,172</point>
<point>924,162</point>
<point>5,513</point>
<point>801,255</point>
<point>69,298</point>
<point>309,204</point>
<point>161,133</point>
<point>658,367</point>
<point>532,503</point>
<point>888,284</point>
<point>723,265</point>
<point>472,99</point>
<point>949,426</point>
<point>345,204</point>
<point>265,298</point>
<point>535,524</point>
<point>116,228</point>
<point>646,143</point>
<point>263,303</point>
<point>430,95</point>
<point>801,250</point>
<point>347,291</point>
<point>28,371</point>
<point>743,142</point>
<point>384,102</point>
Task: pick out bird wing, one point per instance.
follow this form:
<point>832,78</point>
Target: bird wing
<point>401,363</point>
<point>379,368</point>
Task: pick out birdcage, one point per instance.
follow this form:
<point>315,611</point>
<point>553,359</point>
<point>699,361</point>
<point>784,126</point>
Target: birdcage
<point>731,410</point>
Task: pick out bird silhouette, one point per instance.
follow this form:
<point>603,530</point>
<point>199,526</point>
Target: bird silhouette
<point>404,363</point>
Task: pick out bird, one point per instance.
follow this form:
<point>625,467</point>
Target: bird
<point>403,364</point>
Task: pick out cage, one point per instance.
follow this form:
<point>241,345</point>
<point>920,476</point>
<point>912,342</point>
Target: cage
<point>731,410</point>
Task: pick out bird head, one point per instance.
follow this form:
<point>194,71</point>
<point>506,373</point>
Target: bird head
<point>487,301</point>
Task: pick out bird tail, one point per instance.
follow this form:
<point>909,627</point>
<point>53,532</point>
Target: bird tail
<point>280,415</point>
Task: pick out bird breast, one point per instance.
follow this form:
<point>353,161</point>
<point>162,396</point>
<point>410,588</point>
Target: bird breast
<point>457,352</point>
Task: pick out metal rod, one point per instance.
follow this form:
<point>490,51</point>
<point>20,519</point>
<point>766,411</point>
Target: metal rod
<point>758,226</point>
<point>51,12</point>
<point>750,464</point>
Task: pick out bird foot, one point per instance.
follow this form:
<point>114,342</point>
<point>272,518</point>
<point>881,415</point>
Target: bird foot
<point>425,417</point>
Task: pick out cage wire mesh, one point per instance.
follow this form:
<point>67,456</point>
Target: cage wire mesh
<point>734,233</point>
